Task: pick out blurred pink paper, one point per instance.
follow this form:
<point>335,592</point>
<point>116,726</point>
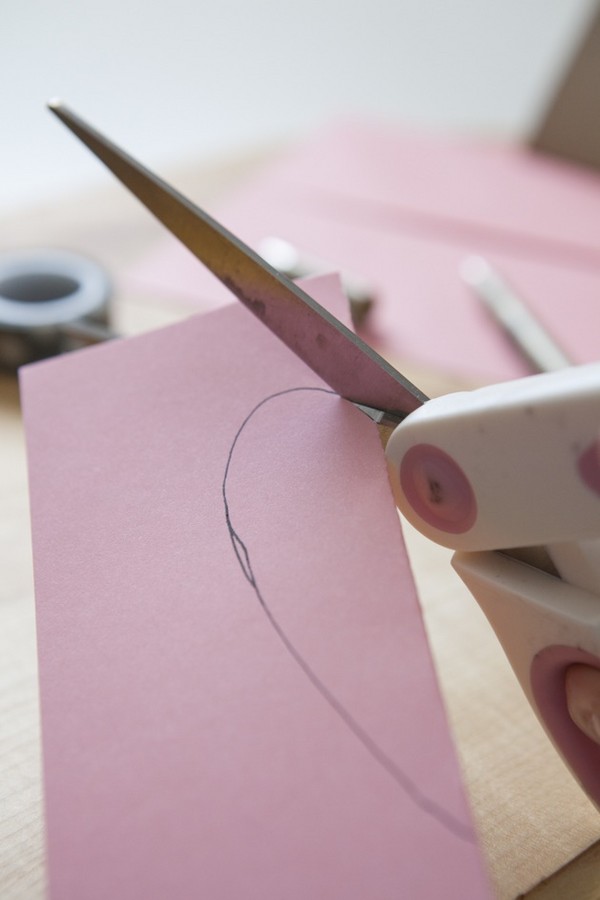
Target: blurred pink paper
<point>403,210</point>
<point>237,695</point>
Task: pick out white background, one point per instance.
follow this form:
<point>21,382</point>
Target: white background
<point>185,79</point>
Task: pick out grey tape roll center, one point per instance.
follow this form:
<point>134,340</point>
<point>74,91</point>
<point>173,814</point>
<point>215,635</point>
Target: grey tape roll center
<point>41,292</point>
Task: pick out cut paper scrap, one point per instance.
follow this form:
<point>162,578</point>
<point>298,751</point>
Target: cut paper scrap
<point>237,696</point>
<point>403,210</point>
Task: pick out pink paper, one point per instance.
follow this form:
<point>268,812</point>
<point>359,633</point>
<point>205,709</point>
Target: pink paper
<point>237,694</point>
<point>403,211</point>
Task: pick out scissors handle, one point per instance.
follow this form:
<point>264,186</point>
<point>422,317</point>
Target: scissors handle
<point>545,626</point>
<point>510,465</point>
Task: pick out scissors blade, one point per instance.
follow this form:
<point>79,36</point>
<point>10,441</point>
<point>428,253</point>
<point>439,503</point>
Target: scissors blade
<point>345,362</point>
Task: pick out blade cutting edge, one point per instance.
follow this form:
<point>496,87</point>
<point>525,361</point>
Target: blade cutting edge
<point>344,361</point>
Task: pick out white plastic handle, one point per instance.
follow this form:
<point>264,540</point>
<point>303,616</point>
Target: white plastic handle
<point>511,465</point>
<point>544,626</point>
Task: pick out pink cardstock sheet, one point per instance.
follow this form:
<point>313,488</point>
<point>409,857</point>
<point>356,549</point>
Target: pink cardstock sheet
<point>237,694</point>
<point>403,211</point>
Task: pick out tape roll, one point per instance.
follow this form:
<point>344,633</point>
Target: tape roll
<point>42,292</point>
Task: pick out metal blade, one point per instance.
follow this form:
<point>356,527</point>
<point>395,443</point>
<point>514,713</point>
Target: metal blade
<point>338,356</point>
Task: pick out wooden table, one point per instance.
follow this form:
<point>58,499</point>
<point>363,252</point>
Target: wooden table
<point>539,833</point>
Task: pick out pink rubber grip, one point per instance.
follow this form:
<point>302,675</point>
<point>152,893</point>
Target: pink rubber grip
<point>548,672</point>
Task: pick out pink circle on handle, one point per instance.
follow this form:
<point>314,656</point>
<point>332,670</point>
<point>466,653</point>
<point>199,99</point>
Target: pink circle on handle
<point>547,678</point>
<point>588,466</point>
<point>437,489</point>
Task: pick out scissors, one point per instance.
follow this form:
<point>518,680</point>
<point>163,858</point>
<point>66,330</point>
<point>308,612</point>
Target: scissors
<point>508,476</point>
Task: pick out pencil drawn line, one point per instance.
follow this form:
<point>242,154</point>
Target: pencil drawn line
<point>410,788</point>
